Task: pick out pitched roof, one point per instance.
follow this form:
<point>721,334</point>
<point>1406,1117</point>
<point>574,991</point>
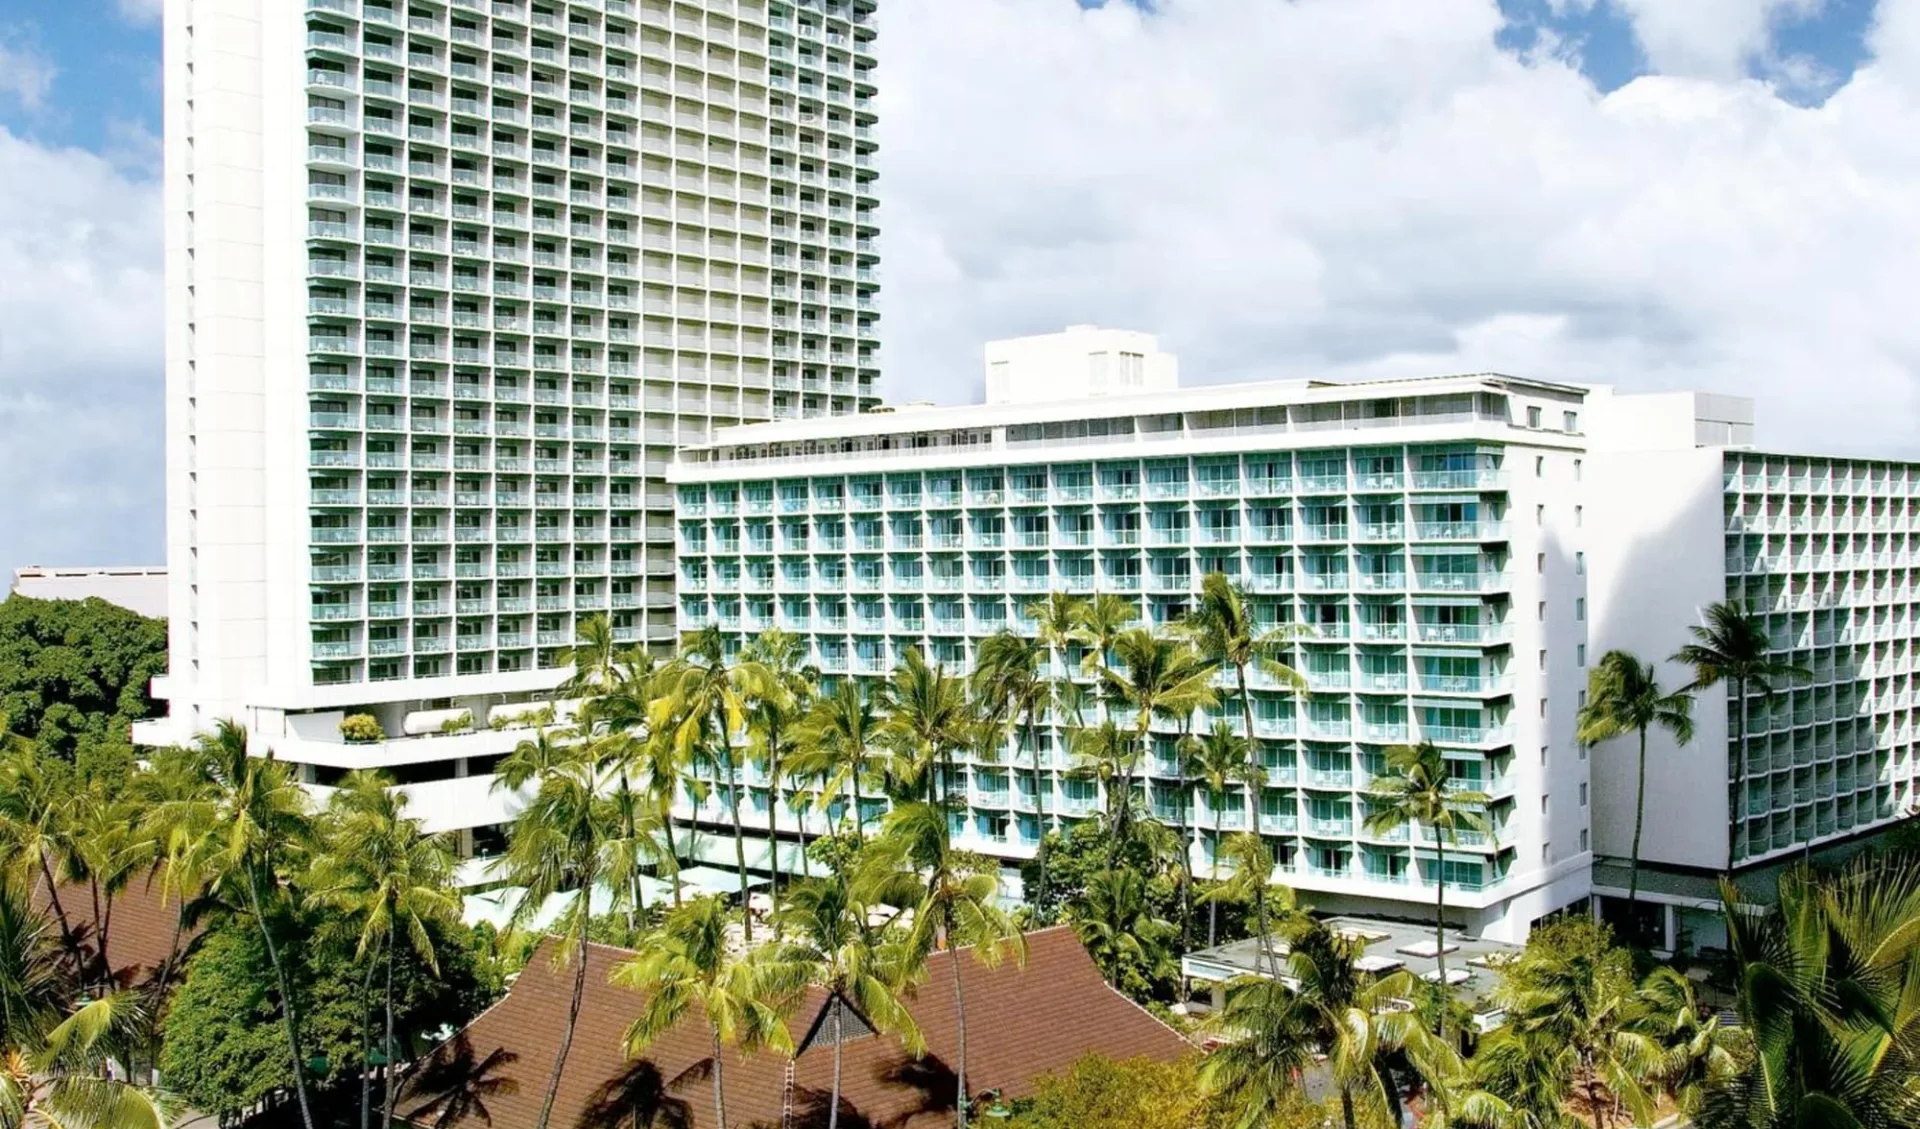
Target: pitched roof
<point>1021,1023</point>
<point>139,920</point>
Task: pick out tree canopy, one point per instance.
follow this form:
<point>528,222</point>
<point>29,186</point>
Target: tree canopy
<point>74,673</point>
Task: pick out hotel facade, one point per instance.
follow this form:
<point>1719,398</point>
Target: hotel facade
<point>448,283</point>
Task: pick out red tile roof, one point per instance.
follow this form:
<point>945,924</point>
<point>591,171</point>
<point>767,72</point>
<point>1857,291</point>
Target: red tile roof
<point>1021,1023</point>
<point>139,925</point>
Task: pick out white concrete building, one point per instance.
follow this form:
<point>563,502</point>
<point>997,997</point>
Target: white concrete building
<point>1686,512</point>
<point>1429,532</point>
<point>447,283</point>
<point>1082,361</point>
<point>137,588</point>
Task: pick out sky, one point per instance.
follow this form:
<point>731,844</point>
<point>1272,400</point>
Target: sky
<point>1659,194</point>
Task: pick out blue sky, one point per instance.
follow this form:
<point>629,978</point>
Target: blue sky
<point>1281,188</point>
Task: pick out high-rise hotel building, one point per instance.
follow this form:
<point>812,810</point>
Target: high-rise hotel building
<point>1427,533</point>
<point>448,281</point>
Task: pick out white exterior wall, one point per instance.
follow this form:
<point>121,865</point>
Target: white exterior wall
<point>445,276</point>
<point>797,483</point>
<point>1080,361</point>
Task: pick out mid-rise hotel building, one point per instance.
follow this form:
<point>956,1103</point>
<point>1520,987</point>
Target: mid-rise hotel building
<point>448,282</point>
<point>1426,532</point>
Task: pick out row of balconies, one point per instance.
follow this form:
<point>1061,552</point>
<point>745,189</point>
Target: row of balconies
<point>1884,482</point>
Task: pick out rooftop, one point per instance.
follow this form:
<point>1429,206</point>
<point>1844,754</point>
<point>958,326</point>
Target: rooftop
<point>1024,1022</point>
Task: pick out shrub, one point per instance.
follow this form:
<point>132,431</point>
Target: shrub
<point>359,728</point>
<point>459,723</point>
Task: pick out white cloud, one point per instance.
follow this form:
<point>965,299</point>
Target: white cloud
<point>141,11</point>
<point>1347,188</point>
<point>80,359</point>
<point>26,75</point>
<point>1714,38</point>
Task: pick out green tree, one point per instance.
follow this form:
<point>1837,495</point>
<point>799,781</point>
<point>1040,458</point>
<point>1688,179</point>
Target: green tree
<point>1361,1023</point>
<point>774,723</point>
<point>1141,1093</point>
<point>1008,672</point>
<point>1624,696</point>
<point>857,967</point>
<point>1157,677</point>
<point>1828,992</point>
<point>927,719</point>
<point>1220,760</point>
<point>1419,787</point>
<point>390,879</point>
<point>687,962</point>
<point>74,673</point>
<point>1252,881</point>
<point>255,827</point>
<point>841,745</point>
<point>954,898</point>
<point>1269,1039</point>
<point>1222,625</point>
<point>34,791</point>
<point>707,698</point>
<point>1732,647</point>
<point>566,839</point>
<point>1115,922</point>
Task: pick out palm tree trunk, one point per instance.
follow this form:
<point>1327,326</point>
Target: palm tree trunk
<point>1040,813</point>
<point>839,1040</point>
<point>391,1066</point>
<point>573,1011</point>
<point>719,1083</point>
<point>739,837</point>
<point>960,1015</point>
<point>1346,1106</point>
<point>1186,866</point>
<point>1440,914</point>
<point>1734,830</point>
<point>1639,818</point>
<point>853,788</point>
<point>633,880</point>
<point>106,930</point>
<point>366,1044</point>
<point>59,911</point>
<point>288,1018</point>
<point>773,824</point>
<point>1213,875</point>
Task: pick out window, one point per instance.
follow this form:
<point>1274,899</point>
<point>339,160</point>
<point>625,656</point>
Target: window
<point>1543,711</point>
<point>1543,755</point>
<point>1576,470</point>
<point>1539,514</point>
<point>1579,516</point>
<point>1543,803</point>
<point>1541,612</point>
<point>1539,466</point>
<point>1543,660</point>
<point>1540,562</point>
<point>1533,417</point>
<point>1583,748</point>
<point>1583,840</point>
<point>1570,421</point>
<point>1579,564</point>
<point>1580,608</point>
<point>1583,793</point>
<point>1580,655</point>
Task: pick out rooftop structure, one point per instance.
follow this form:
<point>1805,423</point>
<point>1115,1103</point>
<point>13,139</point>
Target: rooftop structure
<point>138,588</point>
<point>1044,1017</point>
<point>1080,362</point>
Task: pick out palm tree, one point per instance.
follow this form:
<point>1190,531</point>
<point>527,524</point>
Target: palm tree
<point>1252,880</point>
<point>857,968</point>
<point>1102,621</point>
<point>565,839</point>
<point>1223,627</point>
<point>1106,755</point>
<point>381,870</point>
<point>1828,991</point>
<point>687,962</point>
<point>1624,696</point>
<point>708,698</point>
<point>1008,671</point>
<point>33,804</point>
<point>107,849</point>
<point>1362,1025</point>
<point>1269,1035</point>
<point>927,720</point>
<point>1732,646</point>
<point>55,1066</point>
<point>1220,760</point>
<point>262,826</point>
<point>773,724</point>
<point>913,863</point>
<point>1120,932</point>
<point>1419,787</point>
<point>533,758</point>
<point>1158,676</point>
<point>840,745</point>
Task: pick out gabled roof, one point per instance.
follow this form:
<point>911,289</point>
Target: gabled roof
<point>1021,1023</point>
<point>140,923</point>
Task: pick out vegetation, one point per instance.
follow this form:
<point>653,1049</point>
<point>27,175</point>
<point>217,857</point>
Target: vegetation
<point>1624,696</point>
<point>317,948</point>
<point>361,728</point>
<point>74,674</point>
